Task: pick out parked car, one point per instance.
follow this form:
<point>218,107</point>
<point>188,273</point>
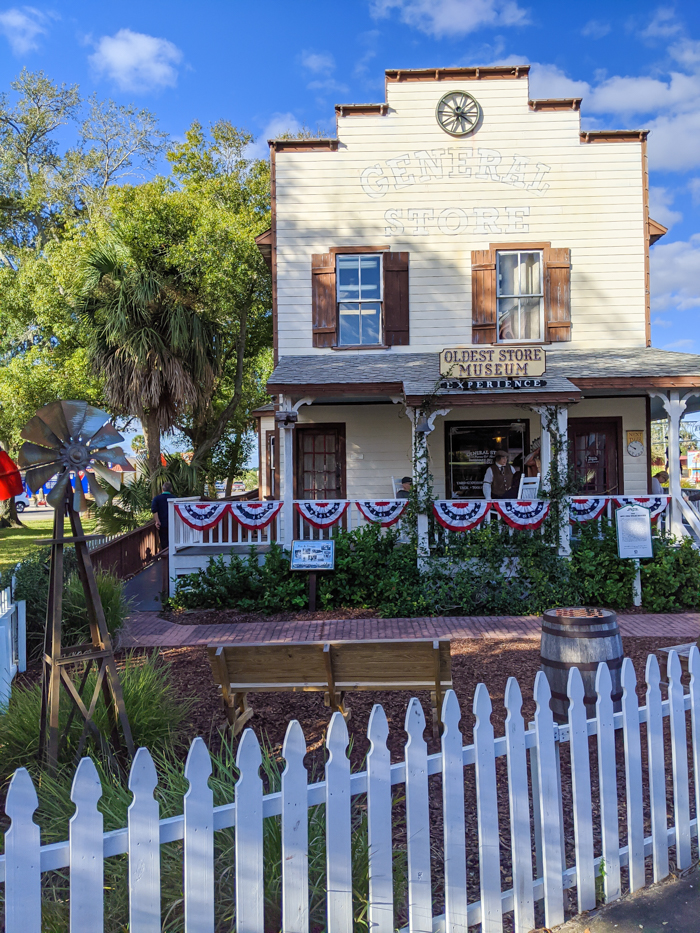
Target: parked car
<point>22,502</point>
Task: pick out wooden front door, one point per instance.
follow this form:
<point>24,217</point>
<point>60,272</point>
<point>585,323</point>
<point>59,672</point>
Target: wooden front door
<point>595,452</point>
<point>320,468</point>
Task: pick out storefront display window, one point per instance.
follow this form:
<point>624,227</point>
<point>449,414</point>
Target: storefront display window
<point>471,448</point>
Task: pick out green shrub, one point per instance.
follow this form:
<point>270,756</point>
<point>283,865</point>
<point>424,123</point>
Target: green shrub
<point>671,581</point>
<point>32,585</point>
<point>156,715</point>
<point>603,578</point>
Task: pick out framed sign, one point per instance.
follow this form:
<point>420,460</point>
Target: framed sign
<point>634,532</point>
<point>313,555</point>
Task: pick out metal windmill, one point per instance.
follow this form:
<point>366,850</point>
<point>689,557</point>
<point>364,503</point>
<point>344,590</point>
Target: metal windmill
<point>66,438</point>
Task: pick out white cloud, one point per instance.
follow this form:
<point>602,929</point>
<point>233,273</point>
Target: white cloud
<point>137,62</point>
<point>643,95</point>
<point>595,29</point>
<point>548,81</point>
<point>694,186</point>
<point>318,62</point>
<point>440,18</point>
<point>660,206</point>
<point>685,344</point>
<point>22,28</point>
<point>662,322</point>
<point>674,141</point>
<point>277,125</point>
<point>675,275</point>
<point>663,24</point>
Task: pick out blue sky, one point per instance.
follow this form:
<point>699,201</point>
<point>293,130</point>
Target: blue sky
<point>278,65</point>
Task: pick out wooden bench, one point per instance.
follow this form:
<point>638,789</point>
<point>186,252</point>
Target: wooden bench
<point>333,668</point>
<point>683,652</point>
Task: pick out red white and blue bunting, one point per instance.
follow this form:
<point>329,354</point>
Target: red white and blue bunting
<point>385,512</point>
<point>322,514</point>
<point>460,514</point>
<point>201,515</point>
<point>655,504</point>
<point>586,510</point>
<point>521,514</point>
<point>254,515</point>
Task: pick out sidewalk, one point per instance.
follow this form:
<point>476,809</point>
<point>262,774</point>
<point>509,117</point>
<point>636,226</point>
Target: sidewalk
<point>147,629</point>
<point>669,907</point>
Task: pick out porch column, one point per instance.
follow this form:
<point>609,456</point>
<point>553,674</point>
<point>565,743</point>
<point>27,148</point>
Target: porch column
<point>558,417</point>
<point>674,405</point>
<point>422,426</point>
<point>286,419</point>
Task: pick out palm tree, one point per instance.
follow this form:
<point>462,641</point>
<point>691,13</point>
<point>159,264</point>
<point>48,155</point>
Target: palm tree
<point>149,339</point>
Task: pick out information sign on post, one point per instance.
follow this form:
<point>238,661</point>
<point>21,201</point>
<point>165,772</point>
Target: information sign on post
<point>312,556</point>
<point>634,532</point>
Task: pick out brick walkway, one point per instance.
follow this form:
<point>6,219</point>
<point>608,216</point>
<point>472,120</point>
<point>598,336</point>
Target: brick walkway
<point>146,629</point>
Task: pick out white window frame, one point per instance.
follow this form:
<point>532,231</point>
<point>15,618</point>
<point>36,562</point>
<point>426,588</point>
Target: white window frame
<point>520,252</point>
<point>338,302</point>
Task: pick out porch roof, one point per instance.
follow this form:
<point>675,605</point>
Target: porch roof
<point>415,375</point>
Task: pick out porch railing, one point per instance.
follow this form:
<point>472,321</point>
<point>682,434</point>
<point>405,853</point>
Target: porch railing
<point>604,806</point>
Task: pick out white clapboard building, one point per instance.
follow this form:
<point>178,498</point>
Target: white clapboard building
<point>464,260</point>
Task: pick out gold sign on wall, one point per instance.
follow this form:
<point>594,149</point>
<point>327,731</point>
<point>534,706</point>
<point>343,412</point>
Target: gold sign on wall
<point>479,362</point>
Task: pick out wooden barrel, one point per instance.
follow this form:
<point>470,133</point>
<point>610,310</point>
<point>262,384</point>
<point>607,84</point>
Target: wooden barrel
<point>580,638</point>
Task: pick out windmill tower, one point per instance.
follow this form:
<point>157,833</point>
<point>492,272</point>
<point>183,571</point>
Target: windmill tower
<point>64,439</point>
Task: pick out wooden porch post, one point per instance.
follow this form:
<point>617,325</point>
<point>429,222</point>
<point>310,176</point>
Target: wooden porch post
<point>674,406</point>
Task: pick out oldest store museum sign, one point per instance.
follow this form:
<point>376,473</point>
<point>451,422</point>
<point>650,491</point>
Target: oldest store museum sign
<point>509,367</point>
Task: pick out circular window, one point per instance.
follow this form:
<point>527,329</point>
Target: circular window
<point>458,113</point>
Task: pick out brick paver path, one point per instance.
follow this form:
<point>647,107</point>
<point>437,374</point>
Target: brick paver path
<point>147,629</point>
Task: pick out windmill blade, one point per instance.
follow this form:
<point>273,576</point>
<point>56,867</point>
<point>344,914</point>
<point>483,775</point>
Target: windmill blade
<point>58,494</point>
<point>107,435</point>
<point>52,415</point>
<point>36,478</point>
<point>98,494</point>
<point>32,455</point>
<point>40,433</point>
<point>112,455</point>
<point>74,413</point>
<point>110,476</point>
<point>80,503</point>
<point>95,418</point>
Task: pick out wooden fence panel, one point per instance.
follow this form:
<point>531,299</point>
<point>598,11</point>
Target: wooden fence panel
<point>679,760</point>
<point>250,904</point>
<point>295,833</point>
<point>521,847</point>
<point>607,783</point>
<point>339,837</point>
<point>453,819</point>
<point>198,842</point>
<point>581,792</point>
<point>379,834</point>
<point>550,808</point>
<point>86,851</point>
<point>633,776</point>
<point>656,770</point>
<point>694,668</point>
<point>144,847</point>
<point>22,857</point>
<point>420,907</point>
<point>487,814</point>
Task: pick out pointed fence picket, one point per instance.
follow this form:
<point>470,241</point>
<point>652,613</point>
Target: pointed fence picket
<point>84,852</point>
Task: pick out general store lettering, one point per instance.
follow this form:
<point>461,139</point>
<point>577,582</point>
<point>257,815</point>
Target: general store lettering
<point>425,166</point>
<point>420,221</point>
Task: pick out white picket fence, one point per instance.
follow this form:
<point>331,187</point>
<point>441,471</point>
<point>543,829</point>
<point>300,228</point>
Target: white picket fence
<point>13,641</point>
<point>544,878</point>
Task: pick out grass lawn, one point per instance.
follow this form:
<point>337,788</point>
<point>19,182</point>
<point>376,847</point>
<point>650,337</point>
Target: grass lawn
<point>18,543</point>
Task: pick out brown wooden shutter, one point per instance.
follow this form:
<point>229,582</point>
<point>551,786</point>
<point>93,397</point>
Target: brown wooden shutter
<point>557,294</point>
<point>396,310</point>
<point>323,300</point>
<point>484,296</point>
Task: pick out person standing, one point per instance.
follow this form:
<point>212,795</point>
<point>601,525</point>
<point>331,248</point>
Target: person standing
<point>499,479</point>
<point>406,486</point>
<point>159,507</point>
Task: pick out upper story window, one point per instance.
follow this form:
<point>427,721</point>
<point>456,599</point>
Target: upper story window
<point>520,295</point>
<point>359,296</point>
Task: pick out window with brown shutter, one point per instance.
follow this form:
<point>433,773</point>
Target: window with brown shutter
<point>557,294</point>
<point>521,293</point>
<point>484,296</point>
<point>323,301</point>
<point>396,309</point>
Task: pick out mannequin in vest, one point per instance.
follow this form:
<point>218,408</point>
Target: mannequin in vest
<point>499,479</point>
